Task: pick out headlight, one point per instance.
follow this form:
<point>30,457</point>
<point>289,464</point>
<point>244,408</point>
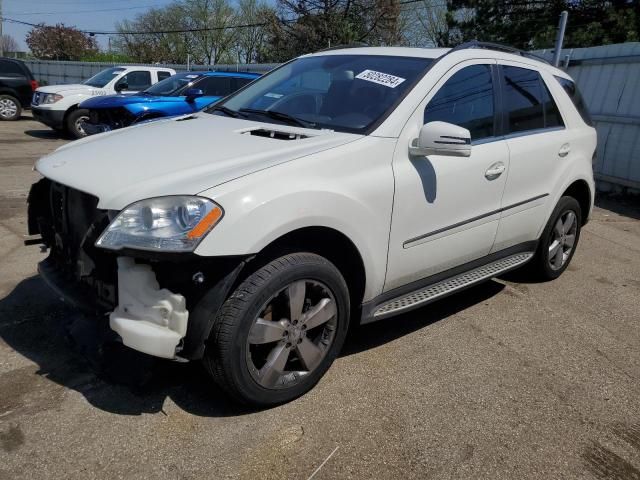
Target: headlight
<point>50,98</point>
<point>175,224</point>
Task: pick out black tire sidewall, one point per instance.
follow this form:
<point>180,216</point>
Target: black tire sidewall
<point>564,204</point>
<point>318,269</point>
<point>71,122</point>
<point>18,108</point>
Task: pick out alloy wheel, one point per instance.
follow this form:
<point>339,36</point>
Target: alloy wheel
<point>8,108</point>
<point>292,334</point>
<point>79,125</point>
<point>563,239</point>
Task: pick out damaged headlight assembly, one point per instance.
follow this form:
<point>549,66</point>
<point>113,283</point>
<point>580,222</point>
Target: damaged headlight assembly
<point>172,224</point>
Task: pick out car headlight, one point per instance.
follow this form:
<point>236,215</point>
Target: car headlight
<point>174,224</point>
<point>50,98</point>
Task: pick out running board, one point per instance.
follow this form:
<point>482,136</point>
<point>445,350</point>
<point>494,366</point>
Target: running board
<point>445,287</point>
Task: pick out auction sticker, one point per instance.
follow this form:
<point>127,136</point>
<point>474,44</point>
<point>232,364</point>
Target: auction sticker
<point>380,78</point>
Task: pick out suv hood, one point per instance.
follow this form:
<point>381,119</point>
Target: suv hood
<point>179,156</point>
<point>68,89</point>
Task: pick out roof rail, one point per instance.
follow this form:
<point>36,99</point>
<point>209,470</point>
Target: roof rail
<point>498,47</point>
<point>346,45</point>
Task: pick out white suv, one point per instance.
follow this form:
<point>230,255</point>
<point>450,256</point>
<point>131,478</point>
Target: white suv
<point>57,105</point>
<point>344,187</point>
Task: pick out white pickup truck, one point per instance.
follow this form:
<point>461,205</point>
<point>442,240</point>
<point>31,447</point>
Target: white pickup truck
<point>57,105</point>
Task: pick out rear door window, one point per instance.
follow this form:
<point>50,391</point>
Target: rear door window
<point>574,94</point>
<point>467,100</point>
<point>528,103</point>
<point>215,86</point>
<point>163,75</point>
<point>137,80</point>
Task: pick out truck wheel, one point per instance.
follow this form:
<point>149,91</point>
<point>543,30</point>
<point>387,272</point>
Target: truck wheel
<point>280,330</point>
<point>558,242</point>
<point>10,108</point>
<point>74,122</point>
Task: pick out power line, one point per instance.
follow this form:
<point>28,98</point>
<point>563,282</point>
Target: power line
<point>67,12</point>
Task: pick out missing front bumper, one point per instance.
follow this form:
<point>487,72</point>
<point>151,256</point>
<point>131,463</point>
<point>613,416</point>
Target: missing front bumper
<point>148,319</point>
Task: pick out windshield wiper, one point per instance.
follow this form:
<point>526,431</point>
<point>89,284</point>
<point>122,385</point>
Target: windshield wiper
<point>226,110</point>
<point>280,116</point>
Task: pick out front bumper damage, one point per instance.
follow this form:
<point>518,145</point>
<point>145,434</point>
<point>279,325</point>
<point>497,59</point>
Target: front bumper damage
<point>158,303</point>
<point>148,319</point>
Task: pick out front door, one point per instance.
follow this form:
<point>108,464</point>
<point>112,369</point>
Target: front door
<point>446,209</point>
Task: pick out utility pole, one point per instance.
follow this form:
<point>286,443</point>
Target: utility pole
<point>562,25</point>
<point>1,34</point>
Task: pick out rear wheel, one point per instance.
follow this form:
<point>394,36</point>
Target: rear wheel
<point>558,241</point>
<point>75,121</point>
<point>280,330</point>
<point>10,108</point>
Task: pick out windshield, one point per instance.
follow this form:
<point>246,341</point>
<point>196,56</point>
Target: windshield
<point>346,93</point>
<point>172,85</point>
<point>101,79</point>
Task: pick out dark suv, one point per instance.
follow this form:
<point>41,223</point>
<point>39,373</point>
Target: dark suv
<point>16,88</point>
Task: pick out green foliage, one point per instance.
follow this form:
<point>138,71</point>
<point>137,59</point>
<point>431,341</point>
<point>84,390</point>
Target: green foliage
<point>532,24</point>
<point>113,57</point>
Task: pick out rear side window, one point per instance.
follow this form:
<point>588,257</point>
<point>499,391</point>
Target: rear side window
<point>575,96</point>
<point>215,86</point>
<point>11,69</point>
<point>466,100</point>
<point>241,82</point>
<point>528,102</point>
<point>137,80</point>
<point>163,75</point>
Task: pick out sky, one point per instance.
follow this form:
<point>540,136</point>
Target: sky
<point>83,14</point>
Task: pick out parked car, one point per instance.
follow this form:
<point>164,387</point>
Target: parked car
<point>180,94</point>
<point>57,106</point>
<point>16,87</point>
<point>344,187</point>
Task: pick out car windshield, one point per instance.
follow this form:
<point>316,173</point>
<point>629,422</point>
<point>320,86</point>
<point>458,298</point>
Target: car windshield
<point>172,85</point>
<point>101,79</point>
<point>348,93</point>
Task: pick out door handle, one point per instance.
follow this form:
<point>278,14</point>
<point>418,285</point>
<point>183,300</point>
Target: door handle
<point>495,171</point>
<point>564,150</point>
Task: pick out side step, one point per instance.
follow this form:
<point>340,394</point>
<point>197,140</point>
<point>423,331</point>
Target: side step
<point>445,287</point>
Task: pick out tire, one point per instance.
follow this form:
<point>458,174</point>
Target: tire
<point>238,350</point>
<point>546,265</point>
<point>74,120</point>
<point>10,108</point>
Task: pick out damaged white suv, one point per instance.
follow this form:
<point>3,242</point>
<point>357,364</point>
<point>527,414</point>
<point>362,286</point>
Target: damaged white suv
<point>344,187</point>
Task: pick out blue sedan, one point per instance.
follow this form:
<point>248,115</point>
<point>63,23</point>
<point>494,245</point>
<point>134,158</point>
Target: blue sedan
<point>180,94</point>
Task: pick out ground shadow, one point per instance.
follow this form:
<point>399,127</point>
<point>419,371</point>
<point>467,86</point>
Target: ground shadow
<point>48,134</point>
<point>78,353</point>
<point>627,205</point>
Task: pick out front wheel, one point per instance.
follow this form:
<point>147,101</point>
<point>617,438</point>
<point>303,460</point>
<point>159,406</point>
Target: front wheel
<point>280,330</point>
<point>558,241</point>
<point>75,122</point>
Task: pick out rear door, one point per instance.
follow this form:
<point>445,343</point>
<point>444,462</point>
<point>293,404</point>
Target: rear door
<point>539,151</point>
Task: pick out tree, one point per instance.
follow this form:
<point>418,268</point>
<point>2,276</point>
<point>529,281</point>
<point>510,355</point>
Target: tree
<point>211,20</point>
<point>249,41</point>
<point>59,42</point>
<point>9,44</point>
<point>532,24</point>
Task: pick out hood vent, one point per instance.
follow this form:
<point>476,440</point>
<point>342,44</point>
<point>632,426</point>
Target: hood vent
<point>278,135</point>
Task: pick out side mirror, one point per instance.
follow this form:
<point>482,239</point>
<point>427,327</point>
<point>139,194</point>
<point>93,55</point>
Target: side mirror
<point>120,86</point>
<point>192,94</point>
<point>442,138</point>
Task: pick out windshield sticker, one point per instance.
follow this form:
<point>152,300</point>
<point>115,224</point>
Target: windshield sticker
<point>191,76</point>
<point>273,95</point>
<point>380,78</point>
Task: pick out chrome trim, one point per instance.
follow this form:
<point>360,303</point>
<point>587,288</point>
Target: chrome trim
<point>470,220</point>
